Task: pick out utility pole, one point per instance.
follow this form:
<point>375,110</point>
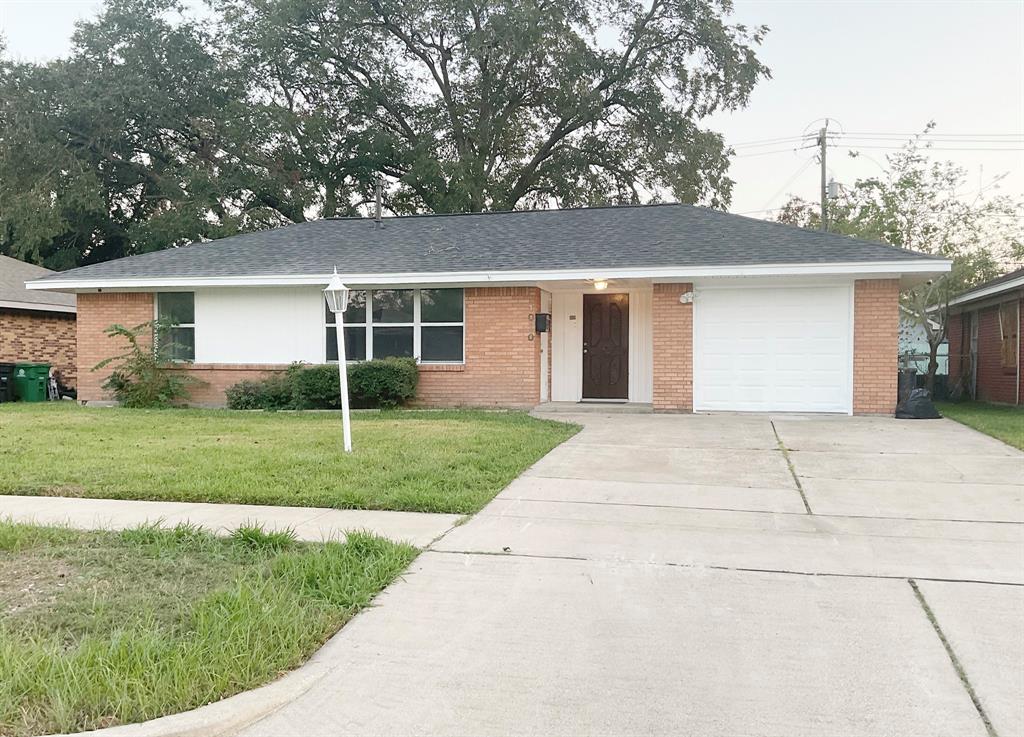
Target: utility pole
<point>823,148</point>
<point>378,185</point>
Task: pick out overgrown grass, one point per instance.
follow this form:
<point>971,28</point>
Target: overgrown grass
<point>1004,423</point>
<point>102,628</point>
<point>406,460</point>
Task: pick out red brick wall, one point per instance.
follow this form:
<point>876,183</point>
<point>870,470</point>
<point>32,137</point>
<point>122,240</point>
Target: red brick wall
<point>39,337</point>
<point>97,312</point>
<point>995,383</point>
<point>212,379</point>
<point>672,331</point>
<point>502,361</point>
<point>875,345</point>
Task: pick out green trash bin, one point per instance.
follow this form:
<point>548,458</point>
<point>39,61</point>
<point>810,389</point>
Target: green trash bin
<point>30,381</point>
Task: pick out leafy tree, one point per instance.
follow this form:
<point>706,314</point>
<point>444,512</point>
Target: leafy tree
<point>162,128</point>
<point>497,104</point>
<point>925,205</point>
<point>129,145</point>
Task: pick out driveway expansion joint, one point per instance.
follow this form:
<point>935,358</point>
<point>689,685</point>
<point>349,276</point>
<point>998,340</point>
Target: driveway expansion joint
<point>957,666</point>
<point>792,469</point>
<point>713,567</point>
<point>761,511</point>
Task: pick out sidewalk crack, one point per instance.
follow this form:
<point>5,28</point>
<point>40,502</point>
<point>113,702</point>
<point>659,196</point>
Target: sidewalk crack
<point>957,666</point>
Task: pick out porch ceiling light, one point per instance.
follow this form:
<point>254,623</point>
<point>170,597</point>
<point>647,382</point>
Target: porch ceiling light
<point>600,284</point>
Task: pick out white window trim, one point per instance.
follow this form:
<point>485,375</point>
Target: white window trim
<point>192,325</point>
<point>417,325</point>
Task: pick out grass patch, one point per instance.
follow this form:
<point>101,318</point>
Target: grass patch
<point>1001,422</point>
<point>104,628</point>
<point>405,460</point>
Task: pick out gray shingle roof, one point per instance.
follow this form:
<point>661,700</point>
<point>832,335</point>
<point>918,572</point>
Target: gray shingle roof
<point>591,238</point>
<point>14,274</point>
<point>986,287</point>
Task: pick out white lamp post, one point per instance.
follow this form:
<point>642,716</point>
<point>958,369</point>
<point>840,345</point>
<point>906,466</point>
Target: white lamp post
<point>336,295</point>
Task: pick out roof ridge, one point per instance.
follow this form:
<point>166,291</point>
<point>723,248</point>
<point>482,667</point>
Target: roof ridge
<point>535,210</point>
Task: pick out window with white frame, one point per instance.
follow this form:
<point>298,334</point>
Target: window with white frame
<point>424,323</point>
<point>176,341</point>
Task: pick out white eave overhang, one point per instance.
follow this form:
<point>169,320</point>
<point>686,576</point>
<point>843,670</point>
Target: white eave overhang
<point>35,306</point>
<point>869,269</point>
<point>977,294</point>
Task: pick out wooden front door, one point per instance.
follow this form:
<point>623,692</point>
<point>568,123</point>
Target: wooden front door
<point>605,346</point>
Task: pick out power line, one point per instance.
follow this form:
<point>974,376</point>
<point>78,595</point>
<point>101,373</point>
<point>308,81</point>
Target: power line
<point>767,141</point>
<point>886,148</point>
<point>789,181</point>
<point>777,151</point>
<point>930,135</point>
<point>929,148</point>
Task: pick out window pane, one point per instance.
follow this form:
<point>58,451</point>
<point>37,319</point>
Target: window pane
<point>441,344</point>
<point>178,307</point>
<point>392,305</point>
<point>355,344</point>
<point>354,313</point>
<point>389,342</point>
<point>332,344</point>
<point>441,305</point>
<point>177,344</point>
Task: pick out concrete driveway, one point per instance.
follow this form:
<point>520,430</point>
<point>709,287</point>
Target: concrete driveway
<point>708,575</point>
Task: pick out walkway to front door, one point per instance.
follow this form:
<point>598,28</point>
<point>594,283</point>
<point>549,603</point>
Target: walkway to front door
<point>605,346</point>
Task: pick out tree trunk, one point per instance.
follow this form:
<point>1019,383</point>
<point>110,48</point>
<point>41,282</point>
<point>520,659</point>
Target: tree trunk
<point>933,367</point>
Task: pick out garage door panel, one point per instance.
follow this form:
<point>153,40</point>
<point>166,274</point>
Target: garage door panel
<point>784,349</point>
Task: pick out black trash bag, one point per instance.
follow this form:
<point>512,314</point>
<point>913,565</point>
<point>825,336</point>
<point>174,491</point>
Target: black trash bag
<point>917,406</point>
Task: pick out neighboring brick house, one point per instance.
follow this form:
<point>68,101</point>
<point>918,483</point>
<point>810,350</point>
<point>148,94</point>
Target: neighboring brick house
<point>36,327</point>
<point>986,340</point>
<point>671,307</point>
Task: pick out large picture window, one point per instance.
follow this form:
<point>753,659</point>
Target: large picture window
<point>427,324</point>
<point>178,341</point>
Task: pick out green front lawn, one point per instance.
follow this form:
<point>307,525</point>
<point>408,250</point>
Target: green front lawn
<point>104,628</point>
<point>1004,423</point>
<point>407,460</point>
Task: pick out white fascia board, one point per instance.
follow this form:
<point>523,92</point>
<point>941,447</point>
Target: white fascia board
<point>1007,286</point>
<point>469,278</point>
<point>36,306</point>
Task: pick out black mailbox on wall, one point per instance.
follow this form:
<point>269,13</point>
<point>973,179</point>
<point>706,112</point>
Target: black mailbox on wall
<point>543,321</point>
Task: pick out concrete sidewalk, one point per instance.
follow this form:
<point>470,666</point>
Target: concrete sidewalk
<point>313,524</point>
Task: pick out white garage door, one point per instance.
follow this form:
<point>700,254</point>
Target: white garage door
<point>783,349</point>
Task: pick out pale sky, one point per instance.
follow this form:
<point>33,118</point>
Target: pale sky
<point>878,67</point>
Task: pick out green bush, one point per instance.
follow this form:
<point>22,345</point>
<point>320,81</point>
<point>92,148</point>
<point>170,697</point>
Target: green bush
<point>315,387</point>
<point>384,383</point>
<point>387,383</point>
<point>273,392</point>
<point>139,378</point>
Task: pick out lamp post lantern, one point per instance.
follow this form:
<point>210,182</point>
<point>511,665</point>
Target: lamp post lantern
<point>336,295</point>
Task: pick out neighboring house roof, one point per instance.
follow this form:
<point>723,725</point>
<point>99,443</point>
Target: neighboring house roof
<point>14,295</point>
<point>1005,283</point>
<point>607,240</point>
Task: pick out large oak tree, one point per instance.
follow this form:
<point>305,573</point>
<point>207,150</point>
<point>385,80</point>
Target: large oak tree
<point>162,127</point>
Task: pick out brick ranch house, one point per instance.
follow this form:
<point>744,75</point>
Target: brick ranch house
<point>35,327</point>
<point>986,340</point>
<point>674,307</point>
